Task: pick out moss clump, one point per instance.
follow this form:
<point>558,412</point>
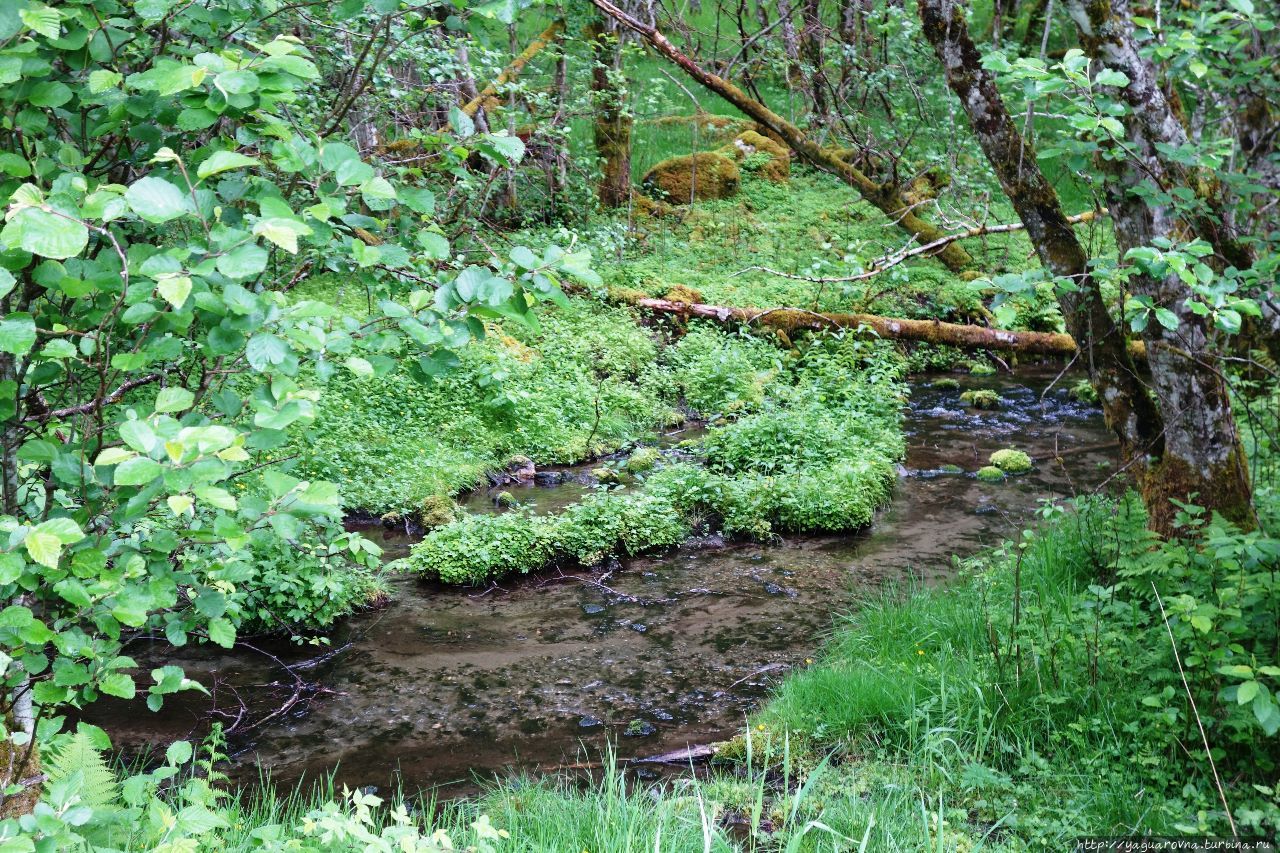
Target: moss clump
<point>504,499</point>
<point>980,368</point>
<point>772,158</point>
<point>704,176</point>
<point>1083,391</point>
<point>437,511</point>
<point>643,459</point>
<point>990,474</point>
<point>981,399</point>
<point>946,384</point>
<point>1011,461</point>
<point>951,469</point>
<point>605,474</point>
<point>684,295</point>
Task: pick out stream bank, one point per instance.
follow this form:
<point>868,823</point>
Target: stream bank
<point>657,653</point>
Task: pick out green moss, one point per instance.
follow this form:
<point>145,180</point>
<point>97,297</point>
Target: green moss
<point>642,459</point>
<point>694,177</point>
<point>946,384</point>
<point>990,474</point>
<point>1011,461</point>
<point>981,399</point>
<point>437,511</point>
<point>981,368</point>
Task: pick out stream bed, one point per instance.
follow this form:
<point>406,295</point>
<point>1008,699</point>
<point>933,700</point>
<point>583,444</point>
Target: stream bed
<point>446,685</point>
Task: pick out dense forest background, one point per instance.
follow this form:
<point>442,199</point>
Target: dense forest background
<point>273,273</point>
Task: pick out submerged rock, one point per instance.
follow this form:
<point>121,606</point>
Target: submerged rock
<point>550,478</point>
<point>704,176</point>
<point>590,722</point>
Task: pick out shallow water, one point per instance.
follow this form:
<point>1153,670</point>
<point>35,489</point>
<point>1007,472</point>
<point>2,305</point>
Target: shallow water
<point>445,684</point>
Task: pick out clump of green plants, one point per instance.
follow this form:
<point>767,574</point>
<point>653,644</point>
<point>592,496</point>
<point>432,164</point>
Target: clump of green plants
<point>1083,391</point>
<point>990,474</point>
<point>981,368</point>
<point>1011,461</point>
<point>946,383</point>
<point>581,384</point>
<point>816,453</point>
<point>981,398</point>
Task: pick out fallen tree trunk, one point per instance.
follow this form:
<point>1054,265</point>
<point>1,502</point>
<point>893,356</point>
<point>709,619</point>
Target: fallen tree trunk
<point>513,70</point>
<point>892,328</point>
<point>884,196</point>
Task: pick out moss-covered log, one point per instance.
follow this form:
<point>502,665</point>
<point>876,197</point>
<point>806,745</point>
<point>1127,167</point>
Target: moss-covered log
<point>893,328</point>
<point>886,197</point>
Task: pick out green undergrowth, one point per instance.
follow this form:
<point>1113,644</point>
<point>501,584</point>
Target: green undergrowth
<point>580,385</point>
<point>806,443</point>
<point>1039,697</point>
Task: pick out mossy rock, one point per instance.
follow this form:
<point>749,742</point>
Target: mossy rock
<point>751,147</point>
<point>981,399</point>
<point>980,368</point>
<point>504,499</point>
<point>990,474</point>
<point>1011,461</point>
<point>946,383</point>
<point>704,176</point>
<point>437,511</point>
<point>643,459</point>
<point>605,474</point>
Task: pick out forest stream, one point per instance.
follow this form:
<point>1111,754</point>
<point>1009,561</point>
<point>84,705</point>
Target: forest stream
<point>658,653</point>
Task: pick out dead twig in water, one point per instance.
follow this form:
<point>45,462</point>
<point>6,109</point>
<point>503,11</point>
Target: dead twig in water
<point>771,667</point>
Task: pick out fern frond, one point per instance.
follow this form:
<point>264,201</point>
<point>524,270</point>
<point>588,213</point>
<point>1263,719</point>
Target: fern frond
<point>77,754</point>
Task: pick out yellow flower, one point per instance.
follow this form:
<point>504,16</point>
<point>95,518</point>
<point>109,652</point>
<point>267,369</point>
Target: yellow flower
<point>760,727</point>
<point>808,660</point>
<point>919,651</point>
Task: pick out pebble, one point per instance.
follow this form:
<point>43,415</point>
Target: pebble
<point>590,722</point>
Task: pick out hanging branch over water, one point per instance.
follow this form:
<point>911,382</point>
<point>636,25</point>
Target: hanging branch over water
<point>886,196</point>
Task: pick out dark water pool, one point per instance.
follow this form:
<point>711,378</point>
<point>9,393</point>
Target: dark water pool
<point>657,653</point>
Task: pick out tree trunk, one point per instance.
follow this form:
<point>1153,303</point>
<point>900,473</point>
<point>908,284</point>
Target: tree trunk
<point>1202,461</point>
<point>612,128</point>
<point>1129,410</point>
<point>884,196</point>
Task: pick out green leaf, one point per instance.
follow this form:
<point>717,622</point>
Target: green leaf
<point>118,684</point>
<point>236,82</point>
<point>156,200</point>
<point>65,529</point>
<point>224,161</point>
<point>360,367</point>
<point>43,20</point>
<point>1167,318</point>
<point>138,435</point>
<point>103,79</point>
<point>17,334</point>
<point>178,753</point>
<point>174,399</point>
<point>44,548</point>
<point>137,471</point>
<point>49,95</point>
<point>282,231</point>
<point>265,351</point>
<point>243,262</point>
<point>174,289</point>
<point>47,234</point>
<point>1245,692</point>
<point>222,632</point>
